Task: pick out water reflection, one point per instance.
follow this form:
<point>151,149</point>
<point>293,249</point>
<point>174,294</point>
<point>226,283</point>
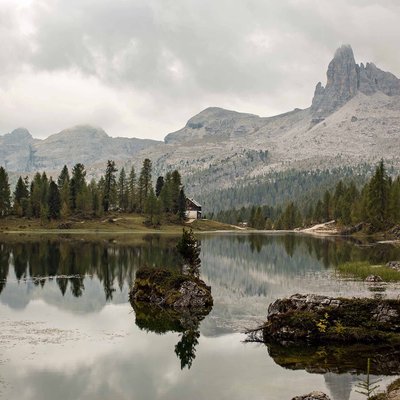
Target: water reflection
<point>162,320</point>
<point>385,359</point>
<point>67,292</point>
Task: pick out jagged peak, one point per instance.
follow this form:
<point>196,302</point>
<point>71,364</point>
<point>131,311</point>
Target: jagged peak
<point>344,50</point>
<point>21,131</point>
<point>345,79</point>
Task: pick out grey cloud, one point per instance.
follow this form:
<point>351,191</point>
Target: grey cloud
<point>183,55</point>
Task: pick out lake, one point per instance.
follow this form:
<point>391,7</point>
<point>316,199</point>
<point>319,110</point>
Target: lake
<point>69,332</point>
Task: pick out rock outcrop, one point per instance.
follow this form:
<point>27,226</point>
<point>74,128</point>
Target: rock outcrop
<point>164,288</point>
<point>345,79</point>
<point>322,319</point>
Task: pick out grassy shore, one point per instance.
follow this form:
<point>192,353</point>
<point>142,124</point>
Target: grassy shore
<point>113,223</point>
<point>362,269</point>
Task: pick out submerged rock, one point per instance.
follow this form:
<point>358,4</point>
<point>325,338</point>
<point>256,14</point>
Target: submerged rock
<point>323,319</point>
<point>373,278</point>
<point>394,265</point>
<point>313,396</point>
<point>165,288</point>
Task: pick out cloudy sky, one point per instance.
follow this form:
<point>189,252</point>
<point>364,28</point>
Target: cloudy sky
<point>141,68</point>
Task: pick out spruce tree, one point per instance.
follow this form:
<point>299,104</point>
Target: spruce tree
<point>132,190</point>
<point>35,195</point>
<point>5,194</point>
<point>159,185</point>
<point>378,197</point>
<point>21,197</point>
<point>144,183</point>
<point>109,185</point>
<point>189,248</point>
<point>77,182</point>
<point>123,191</point>
<point>54,201</point>
<point>176,184</point>
<point>182,205</point>
<point>63,183</point>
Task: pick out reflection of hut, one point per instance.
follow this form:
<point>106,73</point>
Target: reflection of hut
<point>193,209</point>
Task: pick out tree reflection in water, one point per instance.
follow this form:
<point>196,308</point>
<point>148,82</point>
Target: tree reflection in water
<point>160,320</point>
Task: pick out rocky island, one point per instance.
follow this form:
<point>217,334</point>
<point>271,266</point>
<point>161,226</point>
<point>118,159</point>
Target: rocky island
<point>321,319</point>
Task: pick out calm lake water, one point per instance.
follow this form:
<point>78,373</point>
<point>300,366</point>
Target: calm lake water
<point>67,330</point>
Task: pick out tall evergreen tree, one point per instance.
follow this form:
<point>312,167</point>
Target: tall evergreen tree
<point>109,185</point>
<point>36,195</point>
<point>63,183</point>
<point>182,205</point>
<point>175,188</point>
<point>378,197</point>
<point>123,191</point>
<point>54,201</point>
<point>21,197</point>
<point>5,194</point>
<point>189,248</point>
<point>159,185</point>
<point>144,183</point>
<point>132,189</point>
<point>77,182</point>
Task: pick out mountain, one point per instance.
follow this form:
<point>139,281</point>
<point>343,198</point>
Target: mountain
<point>353,120</point>
<point>19,152</point>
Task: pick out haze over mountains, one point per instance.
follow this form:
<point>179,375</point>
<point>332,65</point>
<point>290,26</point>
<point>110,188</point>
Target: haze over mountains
<point>353,119</point>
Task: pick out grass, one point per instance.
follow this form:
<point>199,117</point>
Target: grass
<point>362,269</point>
<point>113,223</point>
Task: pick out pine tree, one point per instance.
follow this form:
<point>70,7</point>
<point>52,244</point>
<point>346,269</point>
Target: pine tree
<point>182,205</point>
<point>132,189</point>
<point>152,208</point>
<point>63,183</point>
<point>76,184</point>
<point>166,193</point>
<point>159,185</point>
<point>21,197</point>
<point>378,197</point>
<point>5,194</point>
<point>189,248</point>
<point>176,184</point>
<point>123,191</point>
<point>144,183</point>
<point>326,206</point>
<point>109,185</point>
<point>35,195</point>
<point>54,201</point>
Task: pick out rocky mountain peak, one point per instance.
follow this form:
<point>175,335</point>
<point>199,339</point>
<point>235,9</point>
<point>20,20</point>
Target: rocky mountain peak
<point>18,134</point>
<point>80,132</point>
<point>341,85</point>
<point>345,79</point>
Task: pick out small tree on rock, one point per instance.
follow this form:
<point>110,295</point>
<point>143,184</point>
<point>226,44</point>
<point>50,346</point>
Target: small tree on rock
<point>189,248</point>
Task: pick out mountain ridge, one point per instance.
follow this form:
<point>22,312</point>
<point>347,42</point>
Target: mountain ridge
<point>353,119</point>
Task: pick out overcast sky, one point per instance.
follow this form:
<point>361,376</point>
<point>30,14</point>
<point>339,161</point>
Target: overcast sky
<point>142,68</point>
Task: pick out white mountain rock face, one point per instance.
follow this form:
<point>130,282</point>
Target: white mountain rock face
<point>19,152</point>
<point>354,119</point>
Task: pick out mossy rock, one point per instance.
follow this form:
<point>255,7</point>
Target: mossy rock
<point>322,319</point>
<point>168,289</point>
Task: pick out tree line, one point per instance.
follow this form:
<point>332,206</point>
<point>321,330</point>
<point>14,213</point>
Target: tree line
<point>71,195</point>
<point>376,203</point>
